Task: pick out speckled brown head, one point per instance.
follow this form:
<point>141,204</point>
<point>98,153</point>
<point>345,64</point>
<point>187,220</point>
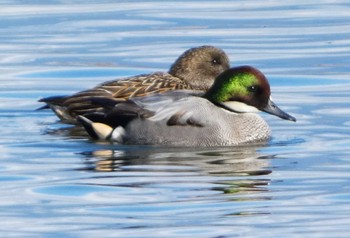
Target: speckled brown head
<point>200,66</point>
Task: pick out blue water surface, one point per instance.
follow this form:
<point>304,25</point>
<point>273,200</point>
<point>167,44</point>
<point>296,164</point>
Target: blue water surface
<point>55,182</point>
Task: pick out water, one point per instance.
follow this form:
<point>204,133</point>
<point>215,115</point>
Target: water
<point>57,184</point>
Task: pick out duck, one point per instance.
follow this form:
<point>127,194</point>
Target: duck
<point>195,69</point>
<point>225,115</point>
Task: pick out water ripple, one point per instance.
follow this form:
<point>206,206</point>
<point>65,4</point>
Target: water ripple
<point>57,183</point>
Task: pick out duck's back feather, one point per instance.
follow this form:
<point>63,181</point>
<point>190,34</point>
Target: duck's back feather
<point>68,107</point>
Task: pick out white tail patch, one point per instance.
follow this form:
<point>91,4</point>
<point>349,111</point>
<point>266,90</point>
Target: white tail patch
<point>103,131</point>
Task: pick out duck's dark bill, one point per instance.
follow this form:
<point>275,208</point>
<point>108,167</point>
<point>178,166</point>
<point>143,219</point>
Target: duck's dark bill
<point>273,109</point>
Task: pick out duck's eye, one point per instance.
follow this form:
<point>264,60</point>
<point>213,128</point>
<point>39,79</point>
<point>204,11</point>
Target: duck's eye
<point>252,88</point>
<point>215,61</point>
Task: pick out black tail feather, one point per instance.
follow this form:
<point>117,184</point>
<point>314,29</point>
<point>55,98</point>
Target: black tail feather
<point>87,124</point>
<point>46,106</point>
<point>56,100</point>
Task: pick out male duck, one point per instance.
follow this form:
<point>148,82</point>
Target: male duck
<point>195,69</point>
<point>223,116</point>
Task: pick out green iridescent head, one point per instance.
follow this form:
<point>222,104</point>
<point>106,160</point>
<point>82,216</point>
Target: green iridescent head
<point>244,89</point>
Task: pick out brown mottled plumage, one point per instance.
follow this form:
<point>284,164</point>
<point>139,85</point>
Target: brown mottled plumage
<point>194,69</point>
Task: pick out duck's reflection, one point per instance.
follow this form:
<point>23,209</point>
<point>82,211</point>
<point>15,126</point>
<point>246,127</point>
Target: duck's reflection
<point>231,170</point>
<point>218,161</point>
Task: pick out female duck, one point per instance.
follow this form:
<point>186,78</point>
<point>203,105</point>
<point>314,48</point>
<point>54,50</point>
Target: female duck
<point>194,69</point>
<point>225,115</point>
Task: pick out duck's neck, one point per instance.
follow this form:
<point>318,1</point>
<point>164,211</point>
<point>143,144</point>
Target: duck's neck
<point>215,96</point>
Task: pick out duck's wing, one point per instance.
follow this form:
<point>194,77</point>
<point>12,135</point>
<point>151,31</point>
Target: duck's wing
<point>166,106</point>
<point>182,112</point>
<point>160,101</point>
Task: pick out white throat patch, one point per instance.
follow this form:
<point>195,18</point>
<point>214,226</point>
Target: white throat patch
<point>240,106</point>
